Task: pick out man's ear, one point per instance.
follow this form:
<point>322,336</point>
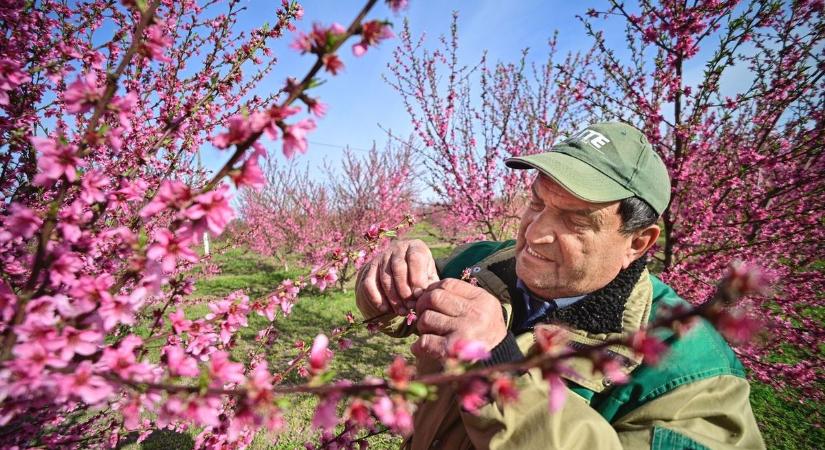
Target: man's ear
<point>640,243</point>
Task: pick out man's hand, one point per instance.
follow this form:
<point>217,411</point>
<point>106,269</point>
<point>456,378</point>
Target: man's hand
<point>394,279</point>
<point>452,309</point>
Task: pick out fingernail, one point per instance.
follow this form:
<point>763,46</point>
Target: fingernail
<point>417,292</point>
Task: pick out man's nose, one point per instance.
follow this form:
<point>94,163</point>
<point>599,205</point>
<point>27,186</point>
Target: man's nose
<point>540,235</point>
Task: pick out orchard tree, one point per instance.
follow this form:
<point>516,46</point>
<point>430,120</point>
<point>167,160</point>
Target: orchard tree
<point>308,220</point>
<point>743,142</point>
<point>470,118</point>
<point>283,219</point>
<point>104,105</point>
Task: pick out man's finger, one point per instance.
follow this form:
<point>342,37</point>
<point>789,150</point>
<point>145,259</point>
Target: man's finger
<point>370,290</point>
<point>387,286</point>
<point>455,286</point>
<point>434,322</point>
<point>400,276</point>
<point>430,346</point>
<point>421,268</point>
<point>442,301</point>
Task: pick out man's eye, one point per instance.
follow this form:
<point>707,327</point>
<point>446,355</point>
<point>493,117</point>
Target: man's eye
<point>578,224</point>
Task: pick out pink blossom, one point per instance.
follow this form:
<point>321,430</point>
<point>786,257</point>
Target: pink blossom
<point>92,186</point>
<point>358,412</point>
<point>179,363</point>
<point>302,43</point>
<point>239,130</point>
<point>295,137</point>
<point>223,371</point>
<point>372,33</point>
<point>411,317</point>
<point>318,109</point>
<point>42,311</point>
<point>397,5</point>
<point>557,388</point>
<point>649,347</point>
<point>250,175</point>
<point>467,350</point>
<point>179,322</point>
<point>156,42</point>
<point>56,159</point>
<point>80,342</point>
<point>169,247</point>
<point>123,106</point>
<point>11,76</point>
<point>36,357</point>
<point>611,368</point>
<point>326,414</point>
<point>269,121</point>
<point>551,340</point>
<point>85,295</point>
<point>319,355</point>
<point>21,223</point>
<point>211,210</point>
<point>120,309</point>
<point>64,269</point>
<point>170,193</point>
<point>748,279</point>
<point>83,94</point>
<point>400,373</point>
<point>323,277</point>
<point>332,63</point>
<point>7,301</point>
<point>472,394</point>
<point>736,325</point>
<point>394,414</point>
<point>504,390</point>
<point>318,40</point>
<point>84,384</point>
<point>72,217</point>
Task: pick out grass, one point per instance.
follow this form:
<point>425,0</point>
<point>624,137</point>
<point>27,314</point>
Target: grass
<point>787,419</point>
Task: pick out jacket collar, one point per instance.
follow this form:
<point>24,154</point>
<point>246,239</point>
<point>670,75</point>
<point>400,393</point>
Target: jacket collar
<point>615,311</point>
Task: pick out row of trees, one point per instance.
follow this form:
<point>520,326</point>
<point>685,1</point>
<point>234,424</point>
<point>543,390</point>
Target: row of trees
<point>299,218</point>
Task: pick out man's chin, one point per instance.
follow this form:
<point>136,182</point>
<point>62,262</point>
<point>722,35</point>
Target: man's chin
<point>530,274</point>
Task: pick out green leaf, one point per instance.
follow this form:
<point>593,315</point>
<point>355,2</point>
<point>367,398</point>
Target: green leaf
<point>315,82</point>
<point>418,391</point>
<point>326,377</point>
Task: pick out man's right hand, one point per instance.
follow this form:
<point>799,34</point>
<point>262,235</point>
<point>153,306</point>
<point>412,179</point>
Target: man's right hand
<point>394,279</point>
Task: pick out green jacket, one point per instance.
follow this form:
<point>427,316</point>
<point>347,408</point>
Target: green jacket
<point>695,398</point>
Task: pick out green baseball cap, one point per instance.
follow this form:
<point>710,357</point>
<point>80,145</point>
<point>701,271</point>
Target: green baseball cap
<point>605,162</point>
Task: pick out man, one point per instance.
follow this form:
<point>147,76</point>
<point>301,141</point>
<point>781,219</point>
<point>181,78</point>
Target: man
<point>578,263</point>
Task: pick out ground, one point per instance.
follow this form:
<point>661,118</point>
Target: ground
<point>787,420</point>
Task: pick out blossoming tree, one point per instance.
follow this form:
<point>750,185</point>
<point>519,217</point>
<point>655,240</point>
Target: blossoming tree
<point>104,105</point>
<point>744,151</point>
<point>470,119</point>
<point>295,216</point>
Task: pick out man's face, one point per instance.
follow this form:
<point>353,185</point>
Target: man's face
<point>568,246</point>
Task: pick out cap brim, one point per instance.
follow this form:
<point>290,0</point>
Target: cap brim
<point>577,177</point>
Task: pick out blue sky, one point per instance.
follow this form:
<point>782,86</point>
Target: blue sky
<point>360,100</point>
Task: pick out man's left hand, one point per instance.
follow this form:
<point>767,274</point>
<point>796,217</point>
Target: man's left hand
<point>452,309</point>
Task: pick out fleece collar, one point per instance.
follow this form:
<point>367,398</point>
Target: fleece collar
<point>617,310</point>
